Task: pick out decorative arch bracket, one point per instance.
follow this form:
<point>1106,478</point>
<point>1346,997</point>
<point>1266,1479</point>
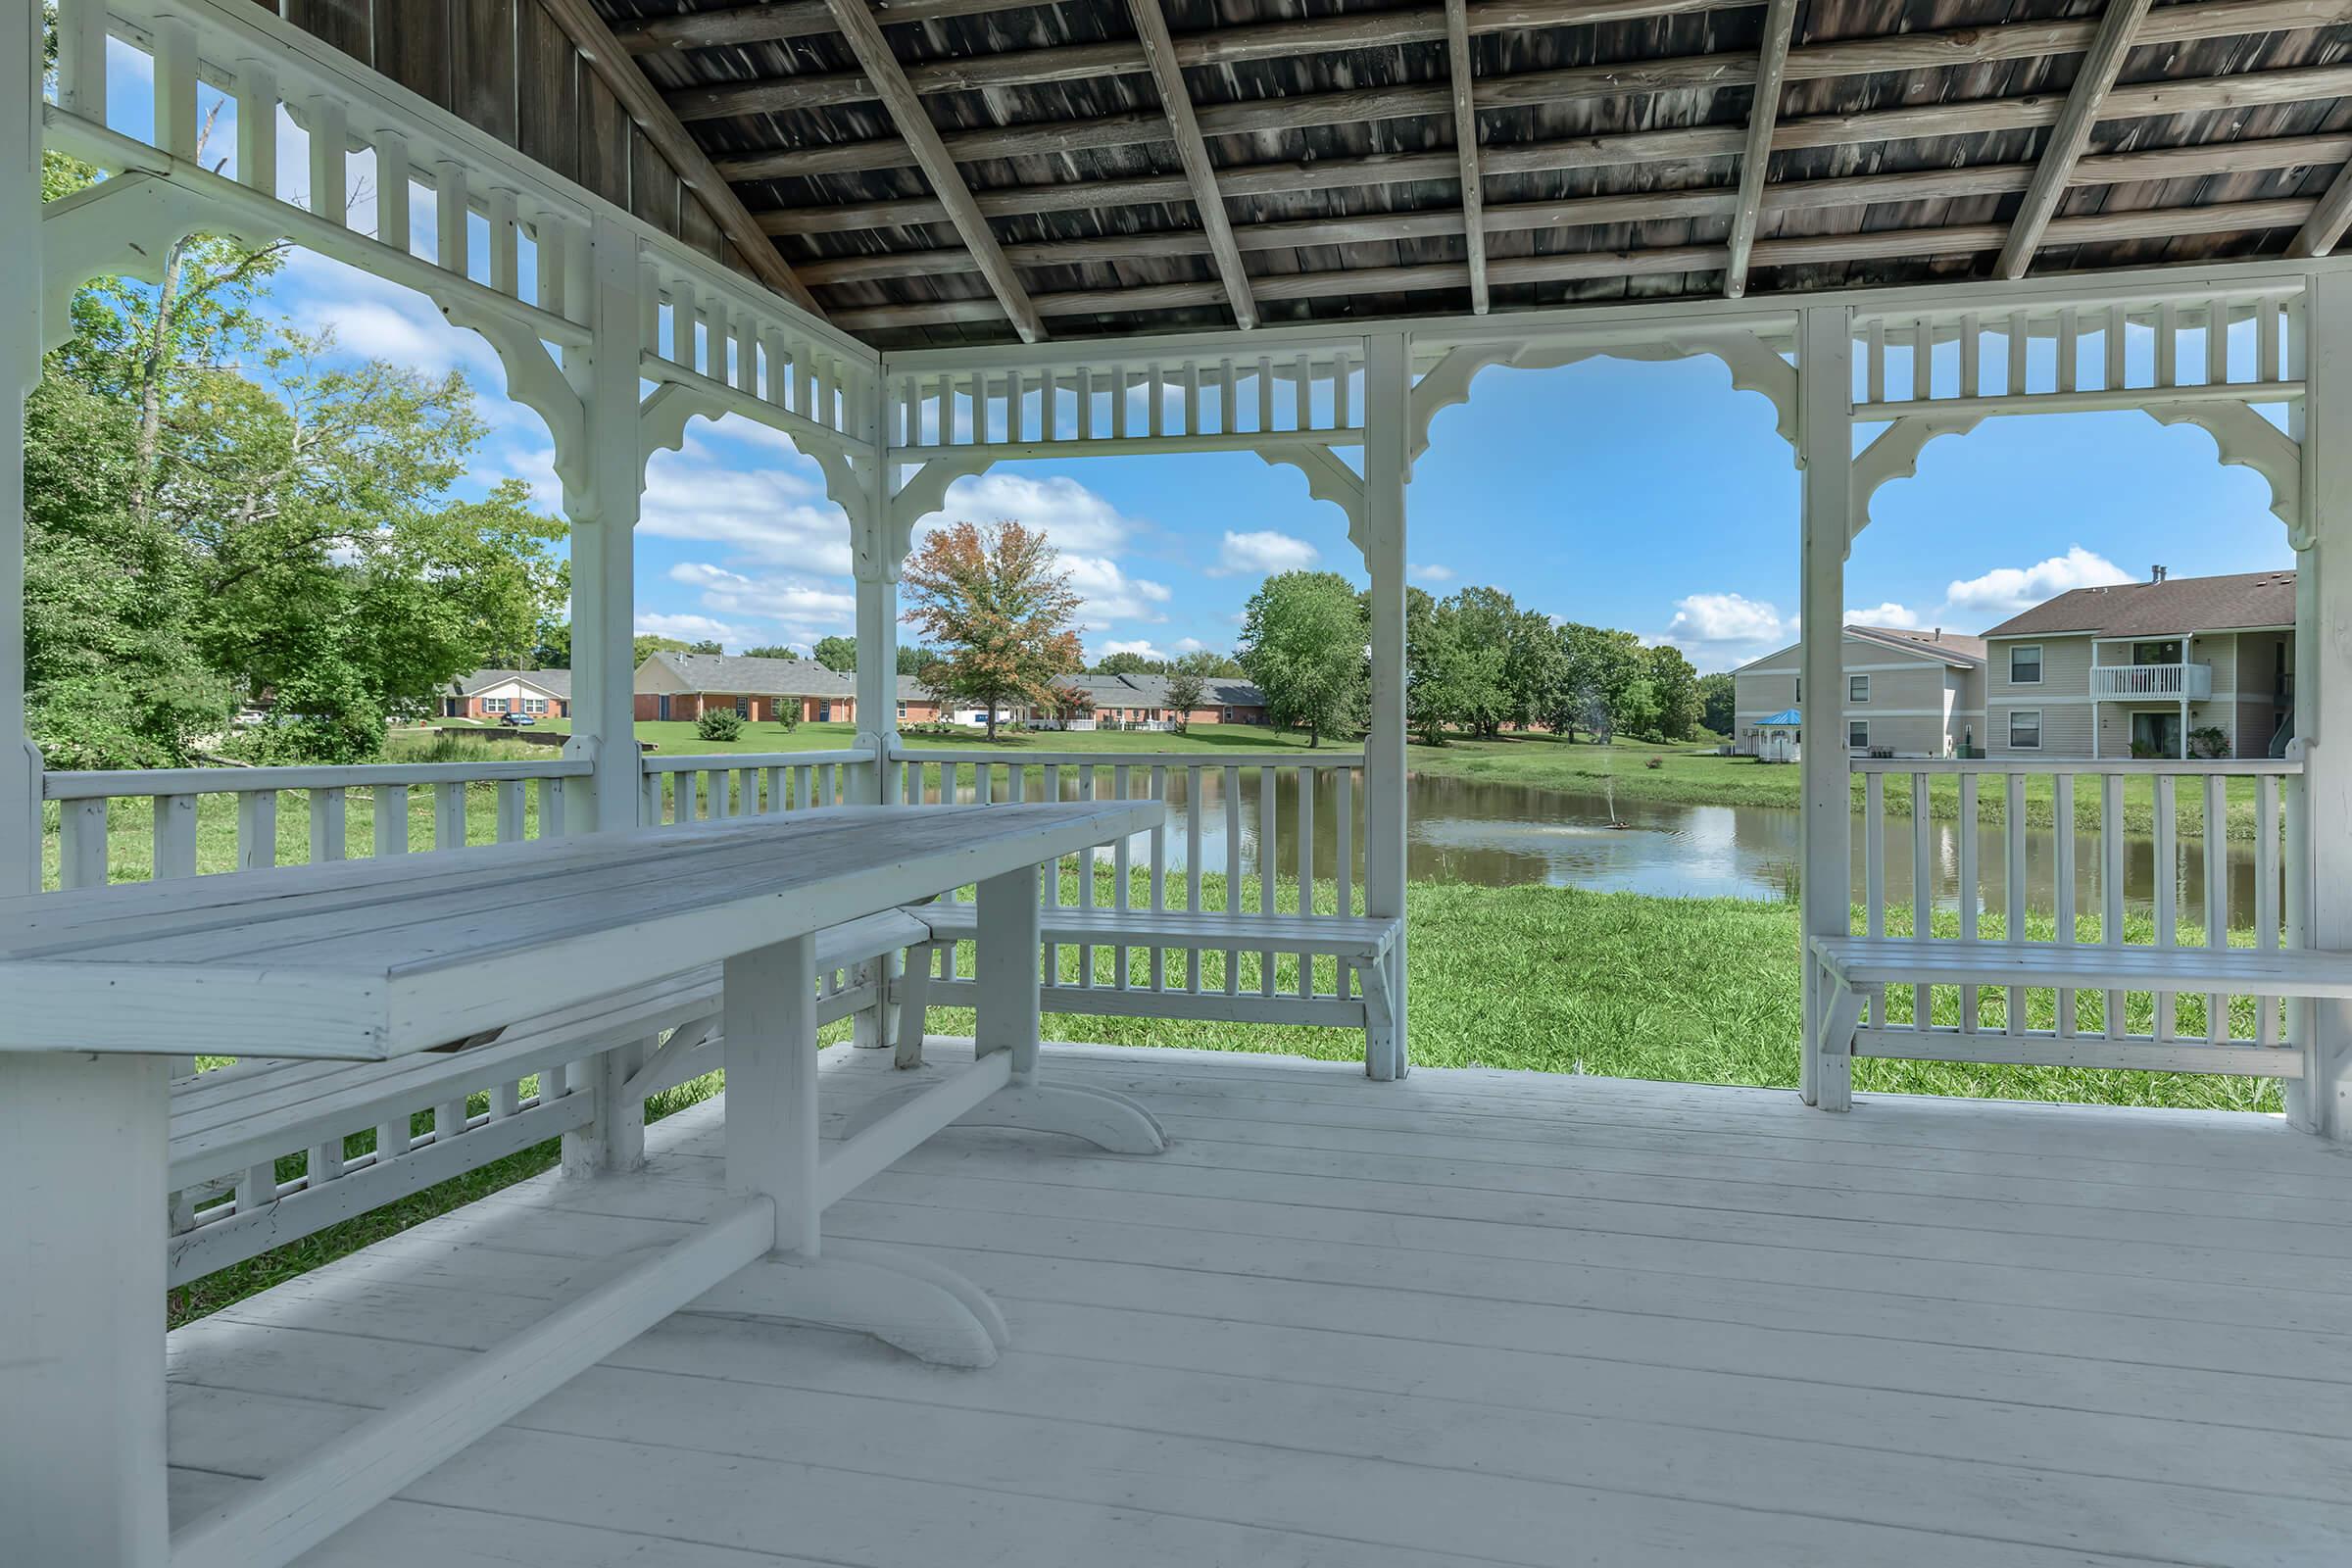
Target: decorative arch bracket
<point>916,497</point>
<point>1754,366</point>
<point>1893,454</point>
<point>122,228</point>
<point>1327,479</point>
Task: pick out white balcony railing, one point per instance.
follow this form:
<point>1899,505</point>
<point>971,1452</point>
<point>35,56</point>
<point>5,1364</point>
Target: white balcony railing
<point>2089,851</point>
<point>2175,682</point>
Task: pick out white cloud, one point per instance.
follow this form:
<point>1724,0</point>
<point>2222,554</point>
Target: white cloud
<point>1139,645</point>
<point>1430,572</point>
<point>1725,618</point>
<point>1110,595</point>
<point>1888,614</point>
<point>806,610</point>
<point>378,319</point>
<point>2007,591</point>
<point>766,516</point>
<point>1262,553</point>
<point>1189,645</point>
<point>1072,516</point>
<point>692,628</point>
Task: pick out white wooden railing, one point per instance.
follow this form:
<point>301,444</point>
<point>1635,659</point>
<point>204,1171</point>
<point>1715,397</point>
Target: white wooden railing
<point>2275,917</point>
<point>1175,857</point>
<point>96,809</point>
<point>2192,682</point>
<point>704,787</point>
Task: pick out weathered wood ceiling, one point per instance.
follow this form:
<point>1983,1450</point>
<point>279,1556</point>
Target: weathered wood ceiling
<point>937,170</point>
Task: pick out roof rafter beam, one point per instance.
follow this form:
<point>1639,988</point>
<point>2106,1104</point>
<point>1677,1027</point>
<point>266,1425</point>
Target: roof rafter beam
<point>2328,220</point>
<point>595,42</point>
<point>1426,24</point>
<point>1175,97</point>
<point>1464,69</point>
<point>907,112</point>
<point>1755,160</point>
<point>2094,80</point>
<point>1284,179</point>
<point>1958,240</point>
<point>1920,51</point>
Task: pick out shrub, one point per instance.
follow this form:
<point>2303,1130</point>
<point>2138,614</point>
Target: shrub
<point>788,716</point>
<point>2209,741</point>
<point>719,724</point>
<point>1656,761</point>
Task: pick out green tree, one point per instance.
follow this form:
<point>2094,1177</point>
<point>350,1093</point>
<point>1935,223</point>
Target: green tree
<point>1186,690</point>
<point>1600,665</point>
<point>709,645</point>
<point>772,651</point>
<point>1207,663</point>
<point>1129,663</point>
<point>1717,695</point>
<point>1001,612</point>
<point>837,654</point>
<point>648,644</point>
<point>1674,683</point>
<point>913,659</point>
<point>1302,645</point>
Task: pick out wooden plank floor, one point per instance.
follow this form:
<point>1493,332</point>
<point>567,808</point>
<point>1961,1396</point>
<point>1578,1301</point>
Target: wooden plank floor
<point>1473,1317</point>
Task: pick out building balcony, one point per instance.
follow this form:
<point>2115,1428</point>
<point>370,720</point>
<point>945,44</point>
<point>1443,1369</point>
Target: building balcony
<point>2170,682</point>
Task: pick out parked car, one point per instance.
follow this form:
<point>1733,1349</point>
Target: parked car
<point>512,719</point>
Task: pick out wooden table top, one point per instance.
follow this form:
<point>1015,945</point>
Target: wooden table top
<point>367,960</point>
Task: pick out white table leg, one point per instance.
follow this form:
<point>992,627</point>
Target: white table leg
<point>83,1145</point>
<point>1006,999</point>
<point>772,1148</point>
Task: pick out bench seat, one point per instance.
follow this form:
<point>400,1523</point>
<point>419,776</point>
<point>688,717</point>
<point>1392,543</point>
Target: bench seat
<point>1851,970</point>
<point>230,1126</point>
<point>1361,944</point>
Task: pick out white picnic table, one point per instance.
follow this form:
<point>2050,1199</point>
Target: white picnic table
<point>375,960</point>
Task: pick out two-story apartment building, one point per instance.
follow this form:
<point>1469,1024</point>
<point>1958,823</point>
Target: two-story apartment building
<point>2175,666</point>
<point>1912,693</point>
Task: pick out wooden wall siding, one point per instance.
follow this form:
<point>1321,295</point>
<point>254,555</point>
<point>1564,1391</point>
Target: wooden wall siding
<point>505,67</point>
<point>547,106</point>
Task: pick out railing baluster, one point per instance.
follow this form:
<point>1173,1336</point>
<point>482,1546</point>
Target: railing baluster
<point>81,843</point>
<point>2265,896</point>
<point>327,830</point>
<point>510,810</point>
<point>1122,854</point>
<point>1922,892</point>
<point>1193,808</point>
<point>1269,869</point>
<point>1159,868</point>
<point>1086,857</point>
<point>1304,827</point>
<point>2013,876</point>
<point>1233,870</point>
<point>2216,896</point>
<point>449,817</point>
<point>1873,871</point>
<point>1969,891</point>
<point>2111,886</point>
<point>174,836</point>
<point>390,803</point>
<point>552,810</point>
<point>2062,883</point>
<point>2166,889</point>
<point>257,829</point>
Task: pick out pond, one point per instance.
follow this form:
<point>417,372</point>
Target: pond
<point>1498,834</point>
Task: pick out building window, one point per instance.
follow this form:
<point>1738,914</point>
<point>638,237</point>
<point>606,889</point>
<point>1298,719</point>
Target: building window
<point>1800,688</point>
<point>743,708</point>
<point>901,711</point>
<point>1857,687</point>
<point>494,705</point>
<point>1857,735</point>
<point>2024,665</point>
<point>824,712</point>
<point>534,704</point>
<point>2024,729</point>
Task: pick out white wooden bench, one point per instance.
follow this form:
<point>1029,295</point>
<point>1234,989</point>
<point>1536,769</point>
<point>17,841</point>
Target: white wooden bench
<point>230,1126</point>
<point>1851,971</point>
<point>1361,945</point>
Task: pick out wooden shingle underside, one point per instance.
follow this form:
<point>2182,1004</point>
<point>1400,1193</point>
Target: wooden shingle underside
<point>1907,133</point>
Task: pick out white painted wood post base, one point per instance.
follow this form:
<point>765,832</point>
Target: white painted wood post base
<point>928,1310</point>
<point>1102,1117</point>
<point>1834,1051</point>
<point>614,1142</point>
<point>82,1159</point>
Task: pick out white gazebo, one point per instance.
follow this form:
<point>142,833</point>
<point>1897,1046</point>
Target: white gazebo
<point>1203,1307</point>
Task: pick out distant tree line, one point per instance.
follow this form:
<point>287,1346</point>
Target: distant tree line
<point>1475,663</point>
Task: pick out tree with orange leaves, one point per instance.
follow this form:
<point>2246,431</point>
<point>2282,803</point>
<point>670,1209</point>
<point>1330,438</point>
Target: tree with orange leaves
<point>1002,616</point>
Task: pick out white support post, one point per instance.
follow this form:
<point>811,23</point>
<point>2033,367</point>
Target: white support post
<point>876,565</point>
<point>1825,451</point>
<point>603,562</point>
<point>1387,383</point>
<point>21,24</point>
<point>82,1144</point>
<point>2322,1102</point>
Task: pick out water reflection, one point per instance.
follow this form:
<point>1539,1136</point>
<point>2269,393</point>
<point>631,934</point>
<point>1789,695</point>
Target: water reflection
<point>1498,834</point>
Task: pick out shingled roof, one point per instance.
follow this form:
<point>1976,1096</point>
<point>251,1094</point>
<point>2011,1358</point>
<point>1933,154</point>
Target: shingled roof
<point>735,673</point>
<point>2173,607</point>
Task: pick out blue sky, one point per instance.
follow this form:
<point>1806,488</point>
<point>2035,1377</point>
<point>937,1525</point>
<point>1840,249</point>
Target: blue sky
<point>1648,496</point>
